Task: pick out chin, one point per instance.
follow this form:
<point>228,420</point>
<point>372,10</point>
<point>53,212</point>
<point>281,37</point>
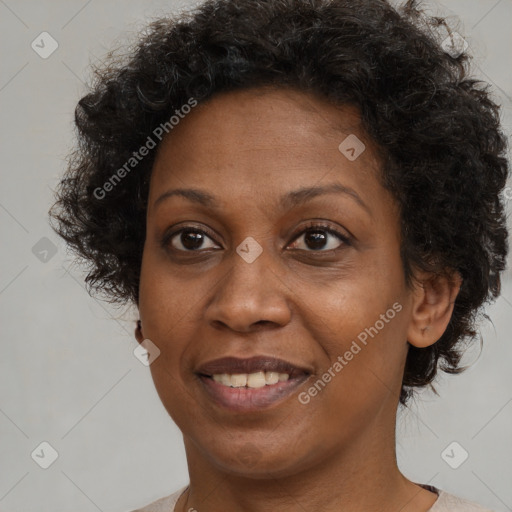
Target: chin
<point>253,459</point>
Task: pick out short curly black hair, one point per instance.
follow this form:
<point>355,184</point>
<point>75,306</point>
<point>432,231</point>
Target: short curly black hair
<point>437,130</point>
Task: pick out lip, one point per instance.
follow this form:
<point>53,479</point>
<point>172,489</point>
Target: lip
<point>251,399</point>
<point>235,365</point>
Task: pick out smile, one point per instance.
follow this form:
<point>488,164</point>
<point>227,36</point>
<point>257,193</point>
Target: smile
<point>250,385</point>
<point>251,380</point>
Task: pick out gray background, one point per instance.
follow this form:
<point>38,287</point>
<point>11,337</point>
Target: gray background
<point>67,369</point>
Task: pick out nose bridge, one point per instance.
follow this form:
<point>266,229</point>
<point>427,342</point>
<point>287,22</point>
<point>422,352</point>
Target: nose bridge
<point>250,267</point>
<point>251,291</point>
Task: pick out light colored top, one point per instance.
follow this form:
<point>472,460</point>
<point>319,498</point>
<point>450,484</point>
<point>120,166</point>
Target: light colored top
<point>445,503</point>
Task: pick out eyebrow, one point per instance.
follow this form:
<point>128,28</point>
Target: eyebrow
<point>289,200</point>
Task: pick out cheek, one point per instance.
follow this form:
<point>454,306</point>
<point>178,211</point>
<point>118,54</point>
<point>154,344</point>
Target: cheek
<point>363,368</point>
<point>165,311</point>
<point>359,325</point>
<point>355,307</point>
<point>371,340</point>
<point>164,301</point>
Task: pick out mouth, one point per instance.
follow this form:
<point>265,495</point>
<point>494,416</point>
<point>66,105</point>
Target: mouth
<point>248,385</point>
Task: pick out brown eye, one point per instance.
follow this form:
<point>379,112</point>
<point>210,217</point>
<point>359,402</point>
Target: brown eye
<point>190,240</point>
<point>319,238</point>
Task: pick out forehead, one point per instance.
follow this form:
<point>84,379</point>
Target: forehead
<point>266,141</point>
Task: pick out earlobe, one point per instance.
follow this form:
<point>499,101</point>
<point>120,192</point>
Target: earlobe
<point>138,332</point>
<point>433,302</point>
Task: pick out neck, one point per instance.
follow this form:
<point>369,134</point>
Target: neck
<point>361,475</point>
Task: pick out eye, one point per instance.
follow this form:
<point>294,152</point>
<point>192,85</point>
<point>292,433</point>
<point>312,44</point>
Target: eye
<point>189,239</point>
<point>316,237</point>
<point>320,237</point>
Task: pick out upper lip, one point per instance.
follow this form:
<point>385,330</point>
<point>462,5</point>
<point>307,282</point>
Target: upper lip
<point>235,365</point>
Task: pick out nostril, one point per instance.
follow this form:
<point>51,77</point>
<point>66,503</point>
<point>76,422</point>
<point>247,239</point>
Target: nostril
<point>263,322</point>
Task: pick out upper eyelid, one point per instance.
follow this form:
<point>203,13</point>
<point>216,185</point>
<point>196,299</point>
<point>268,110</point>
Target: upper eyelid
<point>321,225</point>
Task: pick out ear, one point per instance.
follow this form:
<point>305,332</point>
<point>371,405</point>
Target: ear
<point>433,300</point>
<point>138,332</point>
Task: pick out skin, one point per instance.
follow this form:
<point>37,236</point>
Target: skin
<point>337,452</point>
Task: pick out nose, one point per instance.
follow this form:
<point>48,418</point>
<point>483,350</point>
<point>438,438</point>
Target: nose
<point>251,296</point>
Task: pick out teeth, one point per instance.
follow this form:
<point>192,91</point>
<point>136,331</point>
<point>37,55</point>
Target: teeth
<point>272,377</point>
<point>255,380</point>
<point>251,380</point>
<point>223,378</point>
<point>238,381</point>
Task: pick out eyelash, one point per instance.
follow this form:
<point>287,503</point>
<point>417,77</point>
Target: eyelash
<point>311,226</point>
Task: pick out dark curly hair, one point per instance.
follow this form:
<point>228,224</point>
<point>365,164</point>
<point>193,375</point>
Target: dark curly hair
<point>437,130</point>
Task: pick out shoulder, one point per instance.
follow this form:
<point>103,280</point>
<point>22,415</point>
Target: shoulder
<point>445,503</point>
<point>165,504</point>
<point>449,503</point>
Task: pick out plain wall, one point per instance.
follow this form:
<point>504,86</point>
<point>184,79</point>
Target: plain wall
<point>67,369</point>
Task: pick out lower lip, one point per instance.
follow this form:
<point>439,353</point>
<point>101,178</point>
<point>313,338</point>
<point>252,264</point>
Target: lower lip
<point>250,399</point>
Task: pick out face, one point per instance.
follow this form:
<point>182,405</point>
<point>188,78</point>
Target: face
<point>288,248</point>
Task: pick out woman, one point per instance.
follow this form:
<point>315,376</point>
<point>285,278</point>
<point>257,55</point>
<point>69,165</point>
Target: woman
<point>302,198</point>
